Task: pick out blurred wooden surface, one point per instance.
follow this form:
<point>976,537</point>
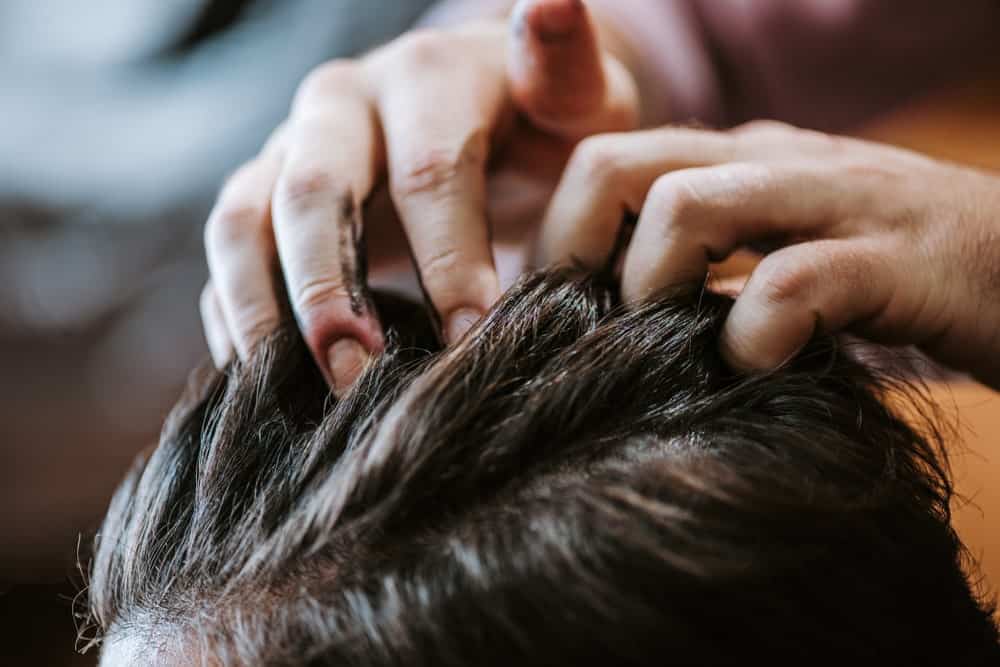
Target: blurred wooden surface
<point>963,126</point>
<point>977,472</point>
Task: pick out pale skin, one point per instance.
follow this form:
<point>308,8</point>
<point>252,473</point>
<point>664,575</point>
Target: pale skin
<point>428,113</point>
<point>871,239</point>
<point>879,241</point>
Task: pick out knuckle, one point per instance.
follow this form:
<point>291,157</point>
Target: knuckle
<point>764,128</point>
<point>253,324</point>
<point>423,47</point>
<point>451,279</point>
<point>783,282</point>
<point>675,198</point>
<point>314,298</point>
<point>831,142</point>
<point>425,172</point>
<point>688,194</point>
<point>599,158</point>
<point>437,168</point>
<point>883,178</point>
<point>822,142</point>
<point>235,184</point>
<point>234,223</point>
<point>236,217</point>
<point>735,185</point>
<point>306,187</point>
<point>441,267</point>
<point>330,78</point>
<point>771,132</point>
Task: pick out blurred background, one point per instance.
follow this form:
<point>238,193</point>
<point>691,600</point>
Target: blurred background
<point>119,119</point>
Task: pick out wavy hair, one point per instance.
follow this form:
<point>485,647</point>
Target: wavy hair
<point>572,483</point>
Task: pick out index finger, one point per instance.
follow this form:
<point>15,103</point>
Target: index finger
<point>697,216</point>
<point>331,162</point>
<point>437,128</point>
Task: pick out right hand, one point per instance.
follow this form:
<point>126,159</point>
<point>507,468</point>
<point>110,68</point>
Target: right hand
<point>427,111</point>
<point>871,239</point>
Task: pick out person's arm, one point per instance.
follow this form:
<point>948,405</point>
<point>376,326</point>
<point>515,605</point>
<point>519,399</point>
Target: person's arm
<point>824,64</point>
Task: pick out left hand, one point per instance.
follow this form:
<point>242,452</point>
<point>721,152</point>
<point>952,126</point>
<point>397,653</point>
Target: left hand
<point>438,116</point>
<point>884,242</point>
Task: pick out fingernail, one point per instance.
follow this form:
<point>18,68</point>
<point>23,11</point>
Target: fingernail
<point>460,321</point>
<point>347,358</point>
<point>554,20</point>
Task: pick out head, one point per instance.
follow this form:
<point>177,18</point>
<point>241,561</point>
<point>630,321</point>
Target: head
<point>572,483</point>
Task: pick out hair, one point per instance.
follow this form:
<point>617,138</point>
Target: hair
<point>572,483</point>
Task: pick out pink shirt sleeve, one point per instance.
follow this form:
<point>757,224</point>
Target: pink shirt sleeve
<point>826,64</point>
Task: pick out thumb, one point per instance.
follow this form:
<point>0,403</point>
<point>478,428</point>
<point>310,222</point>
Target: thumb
<point>559,76</point>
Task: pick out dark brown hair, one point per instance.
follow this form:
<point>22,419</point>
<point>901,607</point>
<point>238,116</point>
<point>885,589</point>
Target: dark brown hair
<point>573,483</point>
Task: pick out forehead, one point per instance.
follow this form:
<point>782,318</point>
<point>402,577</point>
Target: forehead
<point>124,648</point>
<point>121,649</point>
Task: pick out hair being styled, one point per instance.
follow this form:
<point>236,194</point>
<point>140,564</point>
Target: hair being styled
<point>572,483</point>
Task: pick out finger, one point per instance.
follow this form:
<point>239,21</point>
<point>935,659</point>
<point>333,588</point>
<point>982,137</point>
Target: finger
<point>437,156</point>
<point>799,291</point>
<point>239,246</point>
<point>216,334</point>
<point>696,216</point>
<point>559,76</point>
<point>332,159</point>
<point>610,174</point>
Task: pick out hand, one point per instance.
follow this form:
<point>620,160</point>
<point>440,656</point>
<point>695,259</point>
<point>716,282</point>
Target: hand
<point>429,111</point>
<point>886,243</point>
